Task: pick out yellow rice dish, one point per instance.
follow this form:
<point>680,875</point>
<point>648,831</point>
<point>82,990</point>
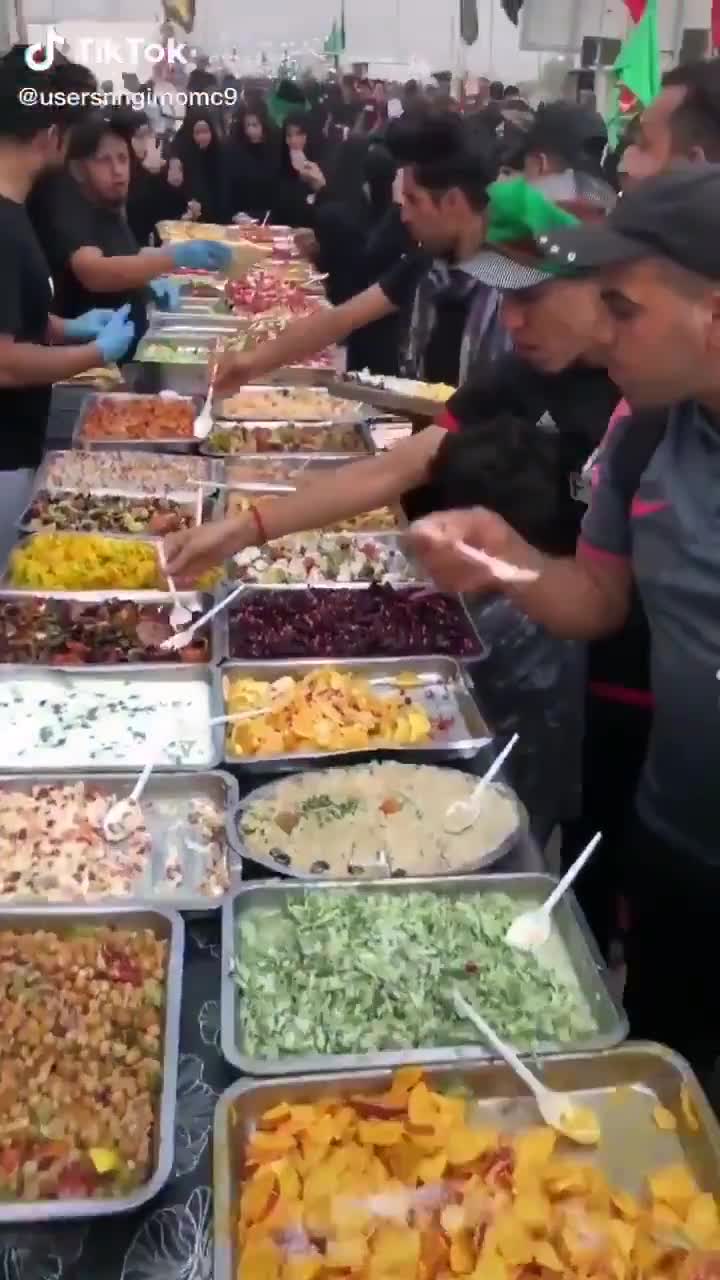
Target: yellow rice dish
<point>88,562</point>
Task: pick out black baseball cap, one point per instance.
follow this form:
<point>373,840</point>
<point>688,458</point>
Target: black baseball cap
<point>676,216</point>
<point>573,133</point>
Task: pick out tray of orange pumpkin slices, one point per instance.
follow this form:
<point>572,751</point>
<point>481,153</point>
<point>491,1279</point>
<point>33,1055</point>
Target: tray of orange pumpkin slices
<point>448,1171</point>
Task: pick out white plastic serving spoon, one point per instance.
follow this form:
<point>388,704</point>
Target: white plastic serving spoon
<point>203,424</point>
<point>461,814</point>
<point>500,569</point>
<point>183,638</point>
<point>557,1109</point>
<point>114,822</point>
<point>179,615</point>
<point>532,929</point>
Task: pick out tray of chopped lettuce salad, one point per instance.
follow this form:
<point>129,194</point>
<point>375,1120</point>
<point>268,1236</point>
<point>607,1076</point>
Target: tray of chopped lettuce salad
<point>336,976</point>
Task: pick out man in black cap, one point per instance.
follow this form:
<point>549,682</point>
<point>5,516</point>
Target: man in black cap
<point>658,256</point>
<point>566,140</point>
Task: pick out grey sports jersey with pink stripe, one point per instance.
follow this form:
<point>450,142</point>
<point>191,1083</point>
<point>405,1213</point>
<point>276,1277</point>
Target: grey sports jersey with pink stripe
<point>672,536</point>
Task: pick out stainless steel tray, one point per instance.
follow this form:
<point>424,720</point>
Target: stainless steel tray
<point>454,698</point>
<point>354,414</point>
<point>309,462</point>
<point>202,343</point>
<point>180,674</point>
<point>612,1026</point>
<point>632,1145</point>
<point>198,601</point>
<point>172,444</point>
<point>257,491</point>
<point>165,804</point>
<point>167,925</point>
<point>244,853</point>
<point>210,470</point>
<point>221,621</point>
<point>393,540</point>
<point>186,502</point>
<point>184,328</point>
<point>359,429</point>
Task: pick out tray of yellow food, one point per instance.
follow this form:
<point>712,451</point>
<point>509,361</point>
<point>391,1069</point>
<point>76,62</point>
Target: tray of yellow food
<point>450,1172</point>
<point>392,395</point>
<point>88,562</point>
<point>417,708</point>
<point>381,520</point>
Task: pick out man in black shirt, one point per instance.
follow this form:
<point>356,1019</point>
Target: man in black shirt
<point>37,348</point>
<point>98,261</point>
<point>451,318</point>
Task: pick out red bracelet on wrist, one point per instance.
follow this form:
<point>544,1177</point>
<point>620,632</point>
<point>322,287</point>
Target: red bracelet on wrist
<point>259,524</point>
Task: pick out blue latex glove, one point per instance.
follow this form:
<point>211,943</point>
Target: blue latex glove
<point>166,294</point>
<point>203,255</point>
<point>87,326</point>
<point>117,336</point>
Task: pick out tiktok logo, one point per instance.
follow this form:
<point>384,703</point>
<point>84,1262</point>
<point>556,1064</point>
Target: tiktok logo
<point>39,57</point>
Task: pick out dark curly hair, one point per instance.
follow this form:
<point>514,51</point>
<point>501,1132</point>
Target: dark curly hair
<point>513,467</point>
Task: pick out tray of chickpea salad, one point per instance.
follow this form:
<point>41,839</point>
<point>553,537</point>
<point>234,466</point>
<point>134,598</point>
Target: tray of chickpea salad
<point>90,1006</point>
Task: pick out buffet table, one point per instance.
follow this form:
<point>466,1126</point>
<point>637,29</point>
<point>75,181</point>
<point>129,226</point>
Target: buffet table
<point>170,1238</point>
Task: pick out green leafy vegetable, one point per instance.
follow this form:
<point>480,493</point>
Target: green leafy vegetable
<point>340,972</point>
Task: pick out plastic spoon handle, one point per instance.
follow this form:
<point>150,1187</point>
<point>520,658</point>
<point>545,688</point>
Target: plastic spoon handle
<point>217,608</point>
<point>570,874</point>
<point>495,767</point>
<point>141,783</point>
<point>499,1045</point>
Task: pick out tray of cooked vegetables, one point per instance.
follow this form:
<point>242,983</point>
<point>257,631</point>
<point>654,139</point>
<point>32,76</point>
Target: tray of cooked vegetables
<point>115,513</point>
<point>88,562</point>
<point>340,976</point>
<point>322,709</point>
<point>450,1171</point>
<point>170,846</point>
<point>93,630</point>
<point>230,438</point>
<point>311,559</point>
<point>89,1067</point>
<point>361,621</point>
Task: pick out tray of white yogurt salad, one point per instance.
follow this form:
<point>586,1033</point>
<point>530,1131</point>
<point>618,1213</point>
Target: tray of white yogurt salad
<point>373,821</point>
<point>59,840</point>
<point>90,721</point>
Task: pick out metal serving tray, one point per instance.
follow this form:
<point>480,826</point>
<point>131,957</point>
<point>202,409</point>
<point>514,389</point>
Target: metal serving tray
<point>612,1026</point>
<point>203,343</point>
<point>209,469</point>
<point>465,737</point>
<point>392,539</point>
<point>185,328</point>
<point>359,429</point>
<point>221,621</point>
<point>237,842</point>
<point>257,491</point>
<point>187,502</point>
<point>198,602</point>
<point>254,389</point>
<point>180,674</point>
<point>165,924</point>
<point>622,1086</point>
<point>305,462</point>
<point>165,805</point>
<point>6,584</point>
<point>172,444</point>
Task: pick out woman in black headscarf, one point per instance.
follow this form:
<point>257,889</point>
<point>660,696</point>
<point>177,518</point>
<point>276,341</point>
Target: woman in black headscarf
<point>253,157</point>
<point>303,177</point>
<point>154,193</point>
<point>199,148</point>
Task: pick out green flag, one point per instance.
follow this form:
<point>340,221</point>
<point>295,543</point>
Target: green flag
<point>636,72</point>
<point>335,43</point>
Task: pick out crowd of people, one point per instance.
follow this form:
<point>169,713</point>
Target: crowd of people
<point>573,298</point>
